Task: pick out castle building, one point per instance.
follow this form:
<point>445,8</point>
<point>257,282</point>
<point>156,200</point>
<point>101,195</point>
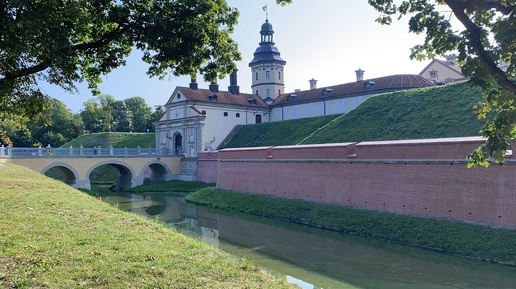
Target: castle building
<point>198,119</point>
<point>443,71</point>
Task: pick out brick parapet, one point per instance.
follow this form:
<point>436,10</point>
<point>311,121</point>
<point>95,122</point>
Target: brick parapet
<point>435,184</point>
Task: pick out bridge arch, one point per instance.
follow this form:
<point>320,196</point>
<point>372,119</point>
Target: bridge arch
<point>69,174</point>
<point>159,171</point>
<point>126,174</point>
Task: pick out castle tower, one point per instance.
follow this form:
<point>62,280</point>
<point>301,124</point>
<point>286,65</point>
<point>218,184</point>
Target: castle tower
<point>267,67</point>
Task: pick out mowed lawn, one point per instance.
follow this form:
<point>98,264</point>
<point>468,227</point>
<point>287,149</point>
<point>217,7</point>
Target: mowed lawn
<point>53,236</point>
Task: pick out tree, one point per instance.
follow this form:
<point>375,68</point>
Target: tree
<point>140,113</point>
<point>486,40</point>
<point>63,42</point>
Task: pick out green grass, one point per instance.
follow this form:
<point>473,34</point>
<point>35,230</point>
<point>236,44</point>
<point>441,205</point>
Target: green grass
<point>454,238</point>
<point>437,112</point>
<point>169,187</point>
<point>278,133</point>
<point>53,236</point>
<point>116,139</point>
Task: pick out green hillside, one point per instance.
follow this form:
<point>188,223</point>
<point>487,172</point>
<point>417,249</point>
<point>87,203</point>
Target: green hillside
<point>278,133</point>
<point>444,111</point>
<point>116,139</point>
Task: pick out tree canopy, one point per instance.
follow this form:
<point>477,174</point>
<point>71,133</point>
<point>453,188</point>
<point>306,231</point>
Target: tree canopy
<point>486,46</point>
<point>63,42</point>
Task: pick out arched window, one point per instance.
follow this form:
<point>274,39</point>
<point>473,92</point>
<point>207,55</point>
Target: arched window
<point>225,113</point>
<point>237,114</point>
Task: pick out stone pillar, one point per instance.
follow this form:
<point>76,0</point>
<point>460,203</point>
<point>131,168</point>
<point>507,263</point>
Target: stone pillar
<point>138,150</point>
<point>40,151</point>
<point>2,151</point>
<point>10,150</point>
<point>71,151</point>
<point>111,150</point>
<point>125,151</point>
<point>81,150</point>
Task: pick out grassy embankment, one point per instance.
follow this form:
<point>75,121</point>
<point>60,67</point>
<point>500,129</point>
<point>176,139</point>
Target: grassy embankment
<point>116,139</point>
<point>445,111</point>
<point>454,238</point>
<point>53,236</point>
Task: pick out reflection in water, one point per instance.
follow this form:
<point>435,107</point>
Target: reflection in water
<point>316,259</point>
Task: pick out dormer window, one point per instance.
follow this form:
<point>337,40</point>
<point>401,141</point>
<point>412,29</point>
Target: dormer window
<point>291,97</point>
<point>326,91</point>
<point>213,97</point>
<point>179,96</point>
<point>251,101</point>
<point>369,84</point>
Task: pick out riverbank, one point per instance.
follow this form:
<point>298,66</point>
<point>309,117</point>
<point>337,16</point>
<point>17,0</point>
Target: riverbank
<point>454,238</point>
<point>53,236</point>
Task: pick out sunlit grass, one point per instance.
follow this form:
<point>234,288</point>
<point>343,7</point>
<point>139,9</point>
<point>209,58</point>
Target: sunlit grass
<point>53,236</point>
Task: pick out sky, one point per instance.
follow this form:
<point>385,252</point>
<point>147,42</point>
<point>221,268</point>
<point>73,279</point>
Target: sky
<point>326,40</point>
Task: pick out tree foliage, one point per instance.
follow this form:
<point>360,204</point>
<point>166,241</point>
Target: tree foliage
<point>63,42</point>
<point>105,114</point>
<point>485,41</point>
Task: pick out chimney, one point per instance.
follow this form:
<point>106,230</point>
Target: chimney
<point>313,84</point>
<point>297,90</point>
<point>193,84</point>
<point>233,86</point>
<point>451,58</point>
<point>214,87</point>
<point>360,74</point>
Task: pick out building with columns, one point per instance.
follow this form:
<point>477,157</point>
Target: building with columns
<point>199,119</point>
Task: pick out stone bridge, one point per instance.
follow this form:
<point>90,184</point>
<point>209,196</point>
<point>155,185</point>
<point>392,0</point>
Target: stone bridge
<point>133,165</point>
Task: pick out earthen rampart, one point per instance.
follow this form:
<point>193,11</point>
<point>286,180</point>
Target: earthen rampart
<point>427,178</point>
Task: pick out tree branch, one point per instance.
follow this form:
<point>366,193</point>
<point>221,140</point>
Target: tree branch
<point>475,38</point>
<point>505,10</point>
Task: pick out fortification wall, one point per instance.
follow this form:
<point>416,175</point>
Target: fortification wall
<point>207,167</point>
<point>426,178</point>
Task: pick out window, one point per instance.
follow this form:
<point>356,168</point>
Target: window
<point>279,74</point>
<point>256,76</point>
<point>237,114</point>
<point>258,118</point>
<point>225,113</point>
<point>279,92</point>
<point>267,93</point>
<point>268,74</point>
<point>203,112</point>
<point>179,96</point>
<point>257,92</point>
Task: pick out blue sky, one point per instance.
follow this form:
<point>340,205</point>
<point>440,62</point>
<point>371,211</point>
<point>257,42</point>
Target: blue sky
<point>326,39</point>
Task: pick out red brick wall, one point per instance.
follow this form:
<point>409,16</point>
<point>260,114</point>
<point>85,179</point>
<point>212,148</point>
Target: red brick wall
<point>421,178</point>
<point>207,166</point>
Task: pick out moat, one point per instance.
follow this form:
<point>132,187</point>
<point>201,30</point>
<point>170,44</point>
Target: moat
<point>315,258</point>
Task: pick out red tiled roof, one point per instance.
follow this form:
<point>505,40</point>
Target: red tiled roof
<point>381,85</point>
<point>223,97</point>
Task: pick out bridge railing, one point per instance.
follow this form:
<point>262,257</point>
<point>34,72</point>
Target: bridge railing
<point>82,152</point>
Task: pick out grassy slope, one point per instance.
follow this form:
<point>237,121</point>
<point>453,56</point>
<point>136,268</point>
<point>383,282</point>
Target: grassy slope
<point>116,139</point>
<point>53,236</point>
<point>445,111</point>
<point>278,133</point>
<point>454,238</point>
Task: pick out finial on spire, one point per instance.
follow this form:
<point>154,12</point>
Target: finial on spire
<point>266,12</point>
